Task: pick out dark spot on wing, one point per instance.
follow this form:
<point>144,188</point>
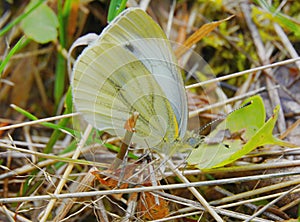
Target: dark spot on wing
<point>227,146</point>
<point>129,47</point>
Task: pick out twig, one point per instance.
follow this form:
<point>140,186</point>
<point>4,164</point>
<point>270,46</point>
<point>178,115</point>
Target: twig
<point>288,45</point>
<point>247,203</point>
<point>271,203</point>
<point>257,199</point>
<point>194,192</point>
<point>258,191</point>
<point>237,74</point>
<point>148,188</point>
<point>37,121</point>
<point>222,103</point>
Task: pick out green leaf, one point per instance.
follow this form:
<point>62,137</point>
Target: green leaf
<point>18,19</point>
<point>41,25</point>
<point>247,130</point>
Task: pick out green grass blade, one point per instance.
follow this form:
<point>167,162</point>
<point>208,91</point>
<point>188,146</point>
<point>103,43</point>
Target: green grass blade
<point>46,124</point>
<point>115,8</point>
<point>17,47</point>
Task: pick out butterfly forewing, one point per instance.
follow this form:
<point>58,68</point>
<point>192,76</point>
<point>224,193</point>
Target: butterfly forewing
<point>145,39</point>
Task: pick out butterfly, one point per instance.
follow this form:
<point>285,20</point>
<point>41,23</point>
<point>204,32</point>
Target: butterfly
<point>131,68</point>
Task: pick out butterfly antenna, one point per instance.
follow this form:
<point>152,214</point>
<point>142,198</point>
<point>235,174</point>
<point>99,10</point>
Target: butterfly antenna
<point>201,129</point>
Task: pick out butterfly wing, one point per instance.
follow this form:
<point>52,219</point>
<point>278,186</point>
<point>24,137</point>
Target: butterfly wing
<point>131,68</point>
<point>146,40</point>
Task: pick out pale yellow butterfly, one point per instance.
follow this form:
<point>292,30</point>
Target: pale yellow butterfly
<point>131,68</point>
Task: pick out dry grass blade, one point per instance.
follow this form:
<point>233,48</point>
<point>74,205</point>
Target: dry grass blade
<point>84,184</point>
<point>198,35</point>
<point>45,214</point>
<point>270,204</point>
<point>194,191</point>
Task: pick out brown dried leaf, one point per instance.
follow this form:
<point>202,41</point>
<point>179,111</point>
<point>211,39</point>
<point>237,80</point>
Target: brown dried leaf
<point>149,210</point>
<point>22,77</point>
